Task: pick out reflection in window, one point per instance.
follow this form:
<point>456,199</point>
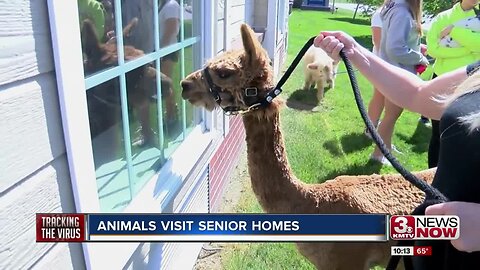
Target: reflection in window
<point>143,116</point>
<point>106,130</point>
<point>133,130</point>
<point>171,100</point>
<point>191,10</point>
<point>191,59</point>
<point>169,22</point>
<point>96,26</point>
<point>141,34</point>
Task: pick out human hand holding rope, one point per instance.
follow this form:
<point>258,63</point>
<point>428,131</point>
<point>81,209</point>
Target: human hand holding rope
<point>333,42</point>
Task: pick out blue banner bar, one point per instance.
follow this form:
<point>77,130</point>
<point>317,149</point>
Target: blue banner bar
<point>111,226</point>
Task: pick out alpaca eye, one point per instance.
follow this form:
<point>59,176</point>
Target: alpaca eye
<point>224,73</point>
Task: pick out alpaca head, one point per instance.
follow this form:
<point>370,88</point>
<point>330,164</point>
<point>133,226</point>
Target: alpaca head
<point>99,56</point>
<point>141,82</point>
<point>242,77</point>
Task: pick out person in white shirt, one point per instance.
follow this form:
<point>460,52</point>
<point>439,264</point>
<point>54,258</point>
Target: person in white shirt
<point>377,103</point>
<point>169,24</point>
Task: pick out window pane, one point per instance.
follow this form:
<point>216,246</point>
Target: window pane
<point>169,22</point>
<point>106,130</point>
<point>191,14</point>
<point>97,26</point>
<point>170,66</point>
<point>192,60</point>
<point>137,20</point>
<point>143,116</point>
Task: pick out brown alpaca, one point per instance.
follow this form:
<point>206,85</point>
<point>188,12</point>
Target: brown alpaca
<point>141,82</point>
<point>273,182</point>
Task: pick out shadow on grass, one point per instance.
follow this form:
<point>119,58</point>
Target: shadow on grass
<point>361,21</point>
<point>369,168</point>
<point>350,143</point>
<point>304,100</point>
<point>420,139</point>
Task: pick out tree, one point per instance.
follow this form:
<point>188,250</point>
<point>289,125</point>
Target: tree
<point>436,6</point>
<point>432,7</point>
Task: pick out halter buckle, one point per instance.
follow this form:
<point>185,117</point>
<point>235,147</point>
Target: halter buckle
<point>251,91</point>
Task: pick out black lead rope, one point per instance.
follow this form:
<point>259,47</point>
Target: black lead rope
<point>430,191</point>
<point>432,195</point>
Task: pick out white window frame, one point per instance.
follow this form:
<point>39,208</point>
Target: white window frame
<point>152,197</point>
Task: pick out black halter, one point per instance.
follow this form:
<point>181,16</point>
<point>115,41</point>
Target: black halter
<point>249,93</point>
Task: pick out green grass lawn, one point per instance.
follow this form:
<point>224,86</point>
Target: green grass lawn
<point>325,144</point>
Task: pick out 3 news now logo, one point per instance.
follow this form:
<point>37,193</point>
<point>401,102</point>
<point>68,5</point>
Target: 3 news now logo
<point>424,227</point>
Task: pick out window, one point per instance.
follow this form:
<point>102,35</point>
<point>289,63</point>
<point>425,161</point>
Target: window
<point>131,143</point>
<point>134,56</point>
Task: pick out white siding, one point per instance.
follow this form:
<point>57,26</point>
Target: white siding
<point>25,44</point>
<point>31,133</point>
<point>33,166</point>
<point>46,191</point>
<point>235,16</point>
<point>220,26</point>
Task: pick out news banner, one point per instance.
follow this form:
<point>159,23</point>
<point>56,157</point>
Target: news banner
<point>248,228</point>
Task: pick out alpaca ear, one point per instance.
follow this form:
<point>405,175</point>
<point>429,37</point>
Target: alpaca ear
<point>90,42</point>
<point>312,66</point>
<point>251,44</point>
<point>128,29</point>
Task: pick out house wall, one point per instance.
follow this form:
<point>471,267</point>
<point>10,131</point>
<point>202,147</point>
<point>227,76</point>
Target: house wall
<point>281,41</point>
<point>234,16</point>
<point>229,19</point>
<point>33,165</point>
<point>263,20</point>
<point>260,20</point>
<point>266,17</point>
<point>224,160</point>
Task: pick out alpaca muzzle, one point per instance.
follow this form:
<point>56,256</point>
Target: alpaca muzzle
<point>250,96</point>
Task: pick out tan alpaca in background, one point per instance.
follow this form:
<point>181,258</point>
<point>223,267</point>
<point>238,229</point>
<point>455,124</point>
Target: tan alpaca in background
<point>275,186</point>
<point>319,70</point>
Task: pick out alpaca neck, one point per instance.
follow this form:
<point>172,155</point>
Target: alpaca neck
<point>272,180</point>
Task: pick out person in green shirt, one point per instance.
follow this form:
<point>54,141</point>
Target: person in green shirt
<point>447,58</point>
<point>95,12</point>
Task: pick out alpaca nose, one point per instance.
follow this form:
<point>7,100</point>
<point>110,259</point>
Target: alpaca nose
<point>186,85</point>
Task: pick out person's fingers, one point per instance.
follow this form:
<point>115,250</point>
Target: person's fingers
<point>437,209</point>
<point>337,49</point>
<point>332,45</point>
<point>326,42</point>
<point>336,34</point>
<point>318,40</point>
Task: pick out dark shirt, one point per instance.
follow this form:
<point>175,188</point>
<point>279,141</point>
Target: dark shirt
<point>458,178</point>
